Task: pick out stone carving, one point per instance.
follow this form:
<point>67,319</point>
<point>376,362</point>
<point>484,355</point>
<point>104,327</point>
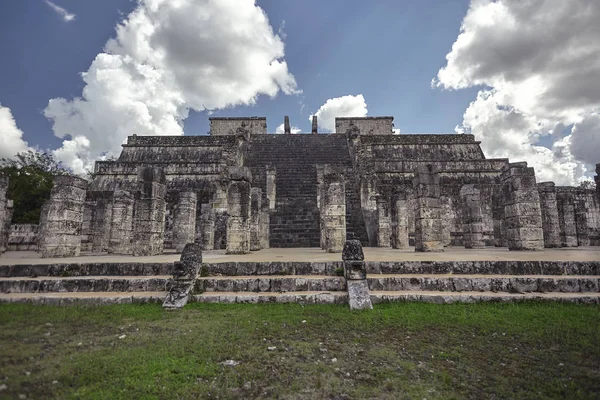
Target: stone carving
<point>150,210</point>
<point>207,227</point>
<point>185,272</point>
<point>566,218</point>
<point>121,224</point>
<point>286,125</point>
<point>61,218</point>
<point>184,220</point>
<point>355,273</point>
<point>255,211</point>
<point>334,210</point>
<point>400,222</point>
<point>428,221</point>
<point>549,206</point>
<point>473,217</point>
<point>522,208</point>
<point>384,223</point>
<point>238,201</point>
<point>4,221</point>
<point>315,126</point>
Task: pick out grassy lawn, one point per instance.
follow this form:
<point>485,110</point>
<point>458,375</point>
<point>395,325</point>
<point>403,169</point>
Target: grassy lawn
<point>397,351</point>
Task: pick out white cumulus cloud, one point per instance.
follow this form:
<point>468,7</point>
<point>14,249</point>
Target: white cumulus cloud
<point>293,129</point>
<point>538,63</point>
<point>11,137</point>
<point>64,14</point>
<point>345,106</point>
<point>169,57</point>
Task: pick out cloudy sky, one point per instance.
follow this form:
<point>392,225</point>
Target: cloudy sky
<point>77,77</point>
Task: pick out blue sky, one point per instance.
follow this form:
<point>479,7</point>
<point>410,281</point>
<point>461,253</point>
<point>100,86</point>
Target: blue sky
<point>387,50</point>
<point>521,91</point>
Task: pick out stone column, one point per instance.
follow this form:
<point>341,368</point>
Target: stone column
<point>472,217</point>
<point>286,125</point>
<point>548,204</point>
<point>334,210</point>
<point>320,203</point>
<point>255,210</point>
<point>566,219</point>
<point>238,202</point>
<point>121,223</point>
<point>3,214</point>
<point>400,226</point>
<point>184,220</point>
<point>581,222</point>
<point>384,222</point>
<point>207,227</point>
<point>597,180</point>
<point>522,208</point>
<point>428,219</point>
<point>219,207</point>
<point>150,210</point>
<point>62,217</point>
<point>355,273</point>
<point>101,224</point>
<point>271,187</point>
<point>498,217</point>
<point>264,228</point>
<point>315,126</point>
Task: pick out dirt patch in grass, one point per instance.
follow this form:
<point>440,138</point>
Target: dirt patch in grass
<point>396,351</point>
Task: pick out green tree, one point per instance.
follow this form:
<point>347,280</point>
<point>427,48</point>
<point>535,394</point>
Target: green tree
<point>30,175</point>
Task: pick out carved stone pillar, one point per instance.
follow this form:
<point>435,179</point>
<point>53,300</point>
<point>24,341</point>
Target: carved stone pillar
<point>549,206</point>
<point>498,217</point>
<point>522,208</point>
<point>271,187</point>
<point>264,228</point>
<point>207,227</point>
<point>334,210</point>
<point>101,224</point>
<point>255,210</point>
<point>428,221</point>
<point>184,220</point>
<point>3,214</point>
<point>566,219</point>
<point>121,224</point>
<point>473,217</point>
<point>62,217</point>
<point>400,223</point>
<point>150,210</point>
<point>355,272</point>
<point>238,202</point>
<point>384,222</point>
<point>219,206</point>
<point>581,222</point>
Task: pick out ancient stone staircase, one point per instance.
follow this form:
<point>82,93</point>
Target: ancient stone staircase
<point>295,222</point>
<point>305,282</point>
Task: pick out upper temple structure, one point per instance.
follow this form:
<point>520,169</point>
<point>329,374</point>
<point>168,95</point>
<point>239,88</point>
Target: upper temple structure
<point>241,189</point>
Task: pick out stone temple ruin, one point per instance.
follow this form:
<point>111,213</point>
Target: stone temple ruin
<point>241,190</point>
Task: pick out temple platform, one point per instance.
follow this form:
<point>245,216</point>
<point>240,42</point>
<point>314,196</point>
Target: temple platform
<point>582,254</point>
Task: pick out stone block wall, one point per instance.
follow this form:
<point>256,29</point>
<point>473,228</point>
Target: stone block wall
<point>4,220</point>
<point>366,125</point>
<point>522,209</point>
<point>149,215</point>
<point>230,126</point>
<point>23,237</point>
<point>62,217</point>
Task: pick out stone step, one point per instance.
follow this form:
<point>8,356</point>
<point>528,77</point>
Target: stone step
<point>485,283</point>
<point>306,297</point>
<point>471,297</point>
<point>88,269</point>
<point>83,298</point>
<point>85,284</point>
<point>271,283</point>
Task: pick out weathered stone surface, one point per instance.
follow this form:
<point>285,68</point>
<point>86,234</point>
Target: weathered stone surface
<point>184,276</point>
<point>359,297</point>
<point>184,220</point>
<point>549,208</point>
<point>353,251</point>
<point>333,210</point>
<point>384,225</point>
<point>255,211</point>
<point>4,220</point>
<point>522,208</point>
<point>238,222</point>
<point>62,217</point>
<point>400,223</point>
<point>473,217</point>
<point>428,221</point>
<point>150,210</point>
<point>566,218</point>
<point>121,224</point>
<point>207,227</point>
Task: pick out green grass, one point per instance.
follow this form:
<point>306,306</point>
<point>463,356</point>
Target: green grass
<point>396,351</point>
